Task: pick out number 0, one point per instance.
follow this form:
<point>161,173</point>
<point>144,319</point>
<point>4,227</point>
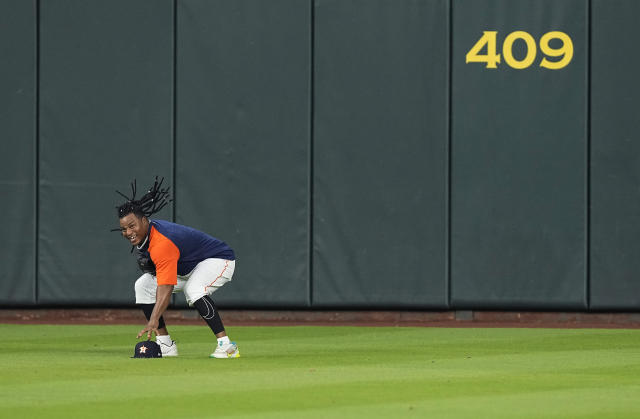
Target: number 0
<point>507,51</point>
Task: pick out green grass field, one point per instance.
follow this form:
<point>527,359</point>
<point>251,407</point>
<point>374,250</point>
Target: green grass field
<point>322,372</point>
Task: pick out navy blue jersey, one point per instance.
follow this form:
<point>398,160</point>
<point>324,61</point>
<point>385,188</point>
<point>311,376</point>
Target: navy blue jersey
<point>175,250</point>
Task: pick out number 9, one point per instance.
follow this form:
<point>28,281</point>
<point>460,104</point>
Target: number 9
<point>566,50</point>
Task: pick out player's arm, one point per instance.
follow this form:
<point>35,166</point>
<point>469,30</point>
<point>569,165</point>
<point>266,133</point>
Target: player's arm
<point>163,298</point>
<point>167,275</point>
<point>165,256</point>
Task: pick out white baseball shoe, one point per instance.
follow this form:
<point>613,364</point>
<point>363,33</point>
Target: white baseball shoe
<point>226,350</point>
<point>168,350</point>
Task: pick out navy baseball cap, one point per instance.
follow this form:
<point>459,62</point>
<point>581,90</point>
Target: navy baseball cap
<point>147,349</point>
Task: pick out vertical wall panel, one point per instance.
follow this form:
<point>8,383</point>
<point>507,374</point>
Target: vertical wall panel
<point>105,118</point>
<point>380,157</point>
<point>615,162</point>
<point>518,161</point>
<point>17,151</point>
<point>243,140</point>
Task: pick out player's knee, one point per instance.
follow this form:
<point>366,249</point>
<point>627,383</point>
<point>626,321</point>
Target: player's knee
<point>145,289</point>
<point>193,294</point>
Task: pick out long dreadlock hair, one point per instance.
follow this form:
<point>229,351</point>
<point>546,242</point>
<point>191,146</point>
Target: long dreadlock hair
<point>150,203</point>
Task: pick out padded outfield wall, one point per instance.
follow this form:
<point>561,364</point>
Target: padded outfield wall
<point>430,154</point>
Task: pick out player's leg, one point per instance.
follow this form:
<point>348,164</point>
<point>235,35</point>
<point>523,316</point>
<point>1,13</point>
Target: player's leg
<point>145,288</point>
<point>207,277</point>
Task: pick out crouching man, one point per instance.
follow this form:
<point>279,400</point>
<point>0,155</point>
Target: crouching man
<point>175,258</point>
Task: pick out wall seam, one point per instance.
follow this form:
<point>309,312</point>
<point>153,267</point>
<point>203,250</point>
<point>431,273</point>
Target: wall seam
<point>174,107</point>
<point>310,189</point>
<point>174,115</point>
<point>449,153</point>
<point>36,140</point>
<point>588,162</point>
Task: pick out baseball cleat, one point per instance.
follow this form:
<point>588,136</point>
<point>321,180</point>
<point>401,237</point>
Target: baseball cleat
<point>168,350</point>
<point>228,350</point>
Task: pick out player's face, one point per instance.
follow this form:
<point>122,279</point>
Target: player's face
<point>133,228</point>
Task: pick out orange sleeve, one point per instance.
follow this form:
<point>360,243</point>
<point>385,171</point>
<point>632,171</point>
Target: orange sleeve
<point>164,254</point>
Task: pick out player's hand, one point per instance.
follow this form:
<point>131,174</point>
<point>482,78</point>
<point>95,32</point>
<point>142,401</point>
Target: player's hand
<point>149,329</point>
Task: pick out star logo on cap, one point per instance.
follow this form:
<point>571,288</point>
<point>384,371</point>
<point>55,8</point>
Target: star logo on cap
<point>143,349</point>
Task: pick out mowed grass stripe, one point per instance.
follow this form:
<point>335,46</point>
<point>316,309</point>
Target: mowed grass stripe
<point>321,371</point>
<point>361,398</point>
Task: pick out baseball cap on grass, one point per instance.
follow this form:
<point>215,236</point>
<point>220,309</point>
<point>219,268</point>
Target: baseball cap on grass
<point>147,349</point>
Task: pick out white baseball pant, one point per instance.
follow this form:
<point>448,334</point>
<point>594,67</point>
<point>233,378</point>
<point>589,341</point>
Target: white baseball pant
<point>205,279</point>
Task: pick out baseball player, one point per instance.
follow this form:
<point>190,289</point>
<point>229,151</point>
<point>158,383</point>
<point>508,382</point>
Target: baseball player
<point>175,258</point>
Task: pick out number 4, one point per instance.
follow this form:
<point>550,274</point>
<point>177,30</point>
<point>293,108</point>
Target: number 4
<point>491,58</point>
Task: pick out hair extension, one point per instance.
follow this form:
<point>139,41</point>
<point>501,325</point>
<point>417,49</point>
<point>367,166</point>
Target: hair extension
<point>150,203</point>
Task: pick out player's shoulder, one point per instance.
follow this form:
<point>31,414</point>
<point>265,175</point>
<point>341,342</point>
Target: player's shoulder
<point>162,224</point>
<point>173,229</point>
<point>161,232</point>
<point>166,228</point>
<point>161,244</point>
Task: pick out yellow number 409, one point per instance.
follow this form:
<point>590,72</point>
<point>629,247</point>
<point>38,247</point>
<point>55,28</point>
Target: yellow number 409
<point>492,58</point>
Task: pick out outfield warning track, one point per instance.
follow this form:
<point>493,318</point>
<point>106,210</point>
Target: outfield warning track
<point>466,318</point>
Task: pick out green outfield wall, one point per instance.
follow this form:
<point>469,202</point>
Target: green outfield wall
<point>426,154</point>
<point>18,125</point>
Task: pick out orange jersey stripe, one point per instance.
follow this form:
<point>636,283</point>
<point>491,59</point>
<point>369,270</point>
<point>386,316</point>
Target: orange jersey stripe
<point>164,254</point>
